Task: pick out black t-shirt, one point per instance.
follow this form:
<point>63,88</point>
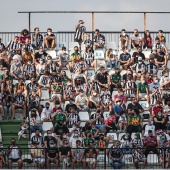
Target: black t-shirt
<point>102,78</point>
<point>136,55</point>
<point>64,150</point>
<point>69,106</point>
<point>47,139</point>
<point>166,98</point>
<point>61,130</point>
<point>52,152</point>
<point>137,106</point>
<point>7,102</point>
<point>160,58</point>
<point>87,150</point>
<point>39,56</point>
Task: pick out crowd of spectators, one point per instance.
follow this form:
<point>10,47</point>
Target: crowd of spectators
<point>28,64</point>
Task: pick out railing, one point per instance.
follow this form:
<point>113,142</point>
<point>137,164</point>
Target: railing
<point>102,160</point>
<point>69,36</point>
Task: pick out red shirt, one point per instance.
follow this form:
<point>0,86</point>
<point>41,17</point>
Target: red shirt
<point>156,109</point>
<point>150,141</point>
<point>121,97</point>
<point>110,120</point>
<point>148,40</point>
<point>22,38</point>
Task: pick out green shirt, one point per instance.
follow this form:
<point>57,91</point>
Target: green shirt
<point>2,77</point>
<point>58,117</point>
<point>59,89</point>
<point>93,131</point>
<point>64,80</point>
<point>116,78</point>
<point>75,56</point>
<point>162,38</point>
<point>142,87</point>
<point>134,120</point>
<point>87,141</point>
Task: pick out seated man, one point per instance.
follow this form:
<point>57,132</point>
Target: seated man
<point>29,70</point>
<point>81,101</point>
<point>14,155</point>
<point>46,113</point>
<point>64,59</point>
<point>116,156</point>
<point>136,55</point>
<point>123,39</point>
<point>19,103</point>
<point>27,56</point>
<point>136,39</point>
<point>75,56</point>
<point>142,89</point>
<point>38,155</point>
<point>98,40</point>
<point>49,39</point>
<point>37,38</point>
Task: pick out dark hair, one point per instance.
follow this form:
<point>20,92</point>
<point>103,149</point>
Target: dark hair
<point>145,35</point>
<point>97,30</point>
<point>63,48</point>
<point>35,28</point>
<point>12,138</point>
<point>24,30</point>
<point>49,29</point>
<point>157,38</point>
<point>48,131</point>
<point>123,30</point>
<point>124,48</point>
<point>161,31</point>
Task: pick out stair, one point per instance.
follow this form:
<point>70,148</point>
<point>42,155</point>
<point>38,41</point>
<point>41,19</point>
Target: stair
<point>9,129</point>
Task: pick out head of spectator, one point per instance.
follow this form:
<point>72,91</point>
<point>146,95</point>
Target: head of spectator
<point>78,143</point>
<point>117,144</point>
<point>46,73</point>
<point>65,143</point>
<point>165,73</point>
<point>157,40</point>
<point>6,72</point>
<point>49,31</point>
<point>143,79</point>
<point>47,105</point>
<point>71,100</point>
<point>150,133</point>
<point>137,135</point>
<point>159,132</point>
<point>102,69</point>
<point>129,77</point>
<point>88,126</point>
<point>134,101</point>
<point>16,59</point>
<point>40,50</point>
<point>76,133</point>
<point>36,30</point>
<point>33,81</point>
<point>49,133</point>
<point>33,113</point>
<point>13,142</point>
<point>76,49</point>
<point>159,114</point>
<point>49,60</point>
<point>124,49</point>
<point>97,32</point>
<point>81,92</point>
<point>111,114</point>
<point>154,52</point>
<point>16,39</point>
<point>126,136</point>
<point>120,92</point>
<point>117,71</point>
<point>123,32</point>
<point>147,33</point>
<point>37,133</point>
<point>136,32</point>
<point>63,50</point>
<point>24,32</point>
<point>160,33</point>
<point>139,49</point>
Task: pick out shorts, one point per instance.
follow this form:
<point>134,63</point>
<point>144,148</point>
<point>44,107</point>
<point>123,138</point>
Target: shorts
<point>14,160</point>
<point>143,95</point>
<point>55,160</point>
<point>100,127</point>
<point>40,160</point>
<point>56,95</point>
<point>91,160</point>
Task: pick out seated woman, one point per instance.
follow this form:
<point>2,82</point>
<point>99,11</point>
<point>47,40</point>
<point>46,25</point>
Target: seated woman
<point>110,122</point>
<point>165,80</point>
<point>147,40</point>
<point>126,143</point>
<point>89,58</point>
<point>112,59</point>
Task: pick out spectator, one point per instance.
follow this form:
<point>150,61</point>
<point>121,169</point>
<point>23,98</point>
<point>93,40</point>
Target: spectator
<point>37,38</point>
<point>49,139</point>
<point>103,79</point>
<point>138,140</point>
<point>16,68</point>
<point>20,86</point>
<point>165,98</point>
<point>90,155</point>
<point>159,121</point>
<point>136,39</point>
<point>2,160</point>
<point>29,70</point>
<point>49,39</point>
<point>46,113</point>
<point>137,54</point>
<point>27,56</point>
<point>120,95</point>
<point>164,155</point>
<point>19,103</point>
<point>139,68</point>
<point>65,154</point>
<point>79,34</point>
<point>116,156</point>
<point>89,58</point>
<point>151,68</point>
<point>93,100</point>
<point>38,155</point>
<point>123,39</point>
<point>134,122</point>
<point>81,101</point>
<point>157,108</point>
<point>98,40</point>
<point>37,139</point>
<point>40,55</point>
<point>115,80</point>
<point>147,40</point>
<point>52,155</point>
<point>2,46</point>
<point>161,37</point>
<point>73,140</point>
<point>88,140</point>
<point>78,155</point>
<point>113,61</point>
<point>73,118</point>
<point>64,59</point>
<point>35,122</point>
<point>59,116</point>
<point>161,138</point>
<point>134,105</point>
<point>142,89</point>
<point>75,56</point>
<point>28,46</point>
<point>88,43</point>
<point>122,121</point>
<point>165,80</point>
<point>126,143</point>
<point>110,122</point>
<point>61,129</point>
<point>13,47</point>
<point>125,58</point>
<point>23,36</point>
<point>70,106</point>
<point>150,142</point>
<point>14,155</point>
<point>159,44</point>
<point>147,127</point>
<point>138,156</point>
<point>22,131</point>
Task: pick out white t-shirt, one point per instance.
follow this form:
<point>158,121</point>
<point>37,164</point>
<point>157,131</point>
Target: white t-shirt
<point>73,141</point>
<point>45,113</point>
<point>137,38</point>
<point>149,127</point>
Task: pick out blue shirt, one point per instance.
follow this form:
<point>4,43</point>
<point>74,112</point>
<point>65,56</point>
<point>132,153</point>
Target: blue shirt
<point>118,109</point>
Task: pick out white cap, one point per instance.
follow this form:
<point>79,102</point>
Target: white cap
<point>16,56</point>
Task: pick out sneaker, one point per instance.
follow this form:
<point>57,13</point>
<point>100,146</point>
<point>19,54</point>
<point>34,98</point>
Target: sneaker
<point>2,117</point>
<point>13,118</point>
